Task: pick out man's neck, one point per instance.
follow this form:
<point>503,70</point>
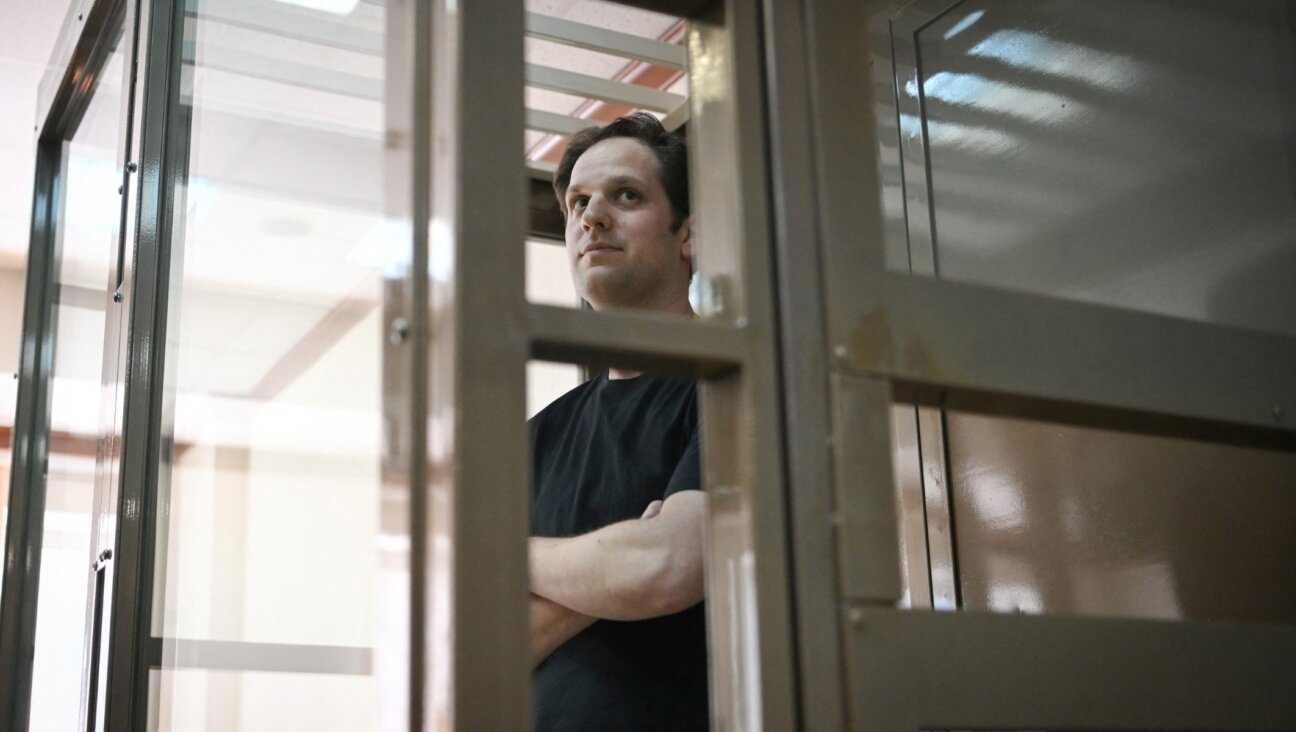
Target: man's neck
<point>680,307</point>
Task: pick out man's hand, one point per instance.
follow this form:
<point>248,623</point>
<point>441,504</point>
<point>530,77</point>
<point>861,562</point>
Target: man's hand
<point>553,625</point>
<point>632,570</point>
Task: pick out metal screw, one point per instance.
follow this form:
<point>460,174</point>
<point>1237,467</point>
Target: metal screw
<point>78,17</point>
<point>131,167</point>
<point>117,296</point>
<point>842,353</point>
<point>400,329</point>
<point>856,616</point>
<point>1278,413</point>
<point>120,190</point>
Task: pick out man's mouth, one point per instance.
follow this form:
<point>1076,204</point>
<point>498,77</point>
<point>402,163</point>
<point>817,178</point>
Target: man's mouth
<point>600,247</point>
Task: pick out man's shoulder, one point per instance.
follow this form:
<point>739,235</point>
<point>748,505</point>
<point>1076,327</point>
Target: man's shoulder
<point>564,405</point>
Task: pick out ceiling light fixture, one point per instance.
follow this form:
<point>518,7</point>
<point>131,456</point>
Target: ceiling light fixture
<point>337,7</point>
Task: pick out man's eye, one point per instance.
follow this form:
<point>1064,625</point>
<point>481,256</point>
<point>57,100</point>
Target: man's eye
<point>579,202</point>
<point>629,195</point>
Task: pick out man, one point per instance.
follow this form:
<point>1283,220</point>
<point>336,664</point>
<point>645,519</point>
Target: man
<point>618,627</point>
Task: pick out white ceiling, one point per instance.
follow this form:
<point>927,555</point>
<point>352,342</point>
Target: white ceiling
<point>28,31</point>
<point>283,214</point>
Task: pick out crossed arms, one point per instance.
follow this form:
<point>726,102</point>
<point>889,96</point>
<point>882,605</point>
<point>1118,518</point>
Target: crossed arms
<point>633,570</point>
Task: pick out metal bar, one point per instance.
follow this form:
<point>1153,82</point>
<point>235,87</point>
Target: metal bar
<point>1030,672</point>
<point>1045,358</point>
<point>477,487</point>
<point>96,638</point>
<point>911,518</point>
<point>664,345</point>
<point>678,8</point>
<point>559,124</point>
<point>850,217</point>
<point>749,589</point>
<point>285,21</point>
<point>214,655</point>
<point>602,39</point>
<point>868,540</point>
<point>804,348</point>
<point>399,654</point>
<point>304,75</point>
<point>937,502</point>
<point>24,532</point>
<point>164,127</point>
<point>79,58</point>
<point>84,44</point>
<point>676,118</point>
<point>594,87</point>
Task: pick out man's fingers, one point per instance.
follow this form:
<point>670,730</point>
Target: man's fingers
<point>653,509</point>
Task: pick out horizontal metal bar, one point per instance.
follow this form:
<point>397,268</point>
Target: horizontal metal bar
<point>988,350</point>
<point>678,8</point>
<point>677,118</point>
<point>283,20</point>
<point>354,85</point>
<point>914,670</point>
<point>215,655</point>
<point>648,342</point>
<point>559,124</point>
<point>602,39</point>
<point>85,42</point>
<point>594,87</point>
<point>281,70</point>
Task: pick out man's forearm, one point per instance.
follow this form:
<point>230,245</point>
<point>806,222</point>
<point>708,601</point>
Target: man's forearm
<point>551,626</point>
<point>632,570</point>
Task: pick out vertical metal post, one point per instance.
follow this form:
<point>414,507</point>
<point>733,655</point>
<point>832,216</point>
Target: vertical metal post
<point>477,488</point>
<point>31,442</point>
<point>164,135</point>
<point>400,663</point>
<point>748,587</point>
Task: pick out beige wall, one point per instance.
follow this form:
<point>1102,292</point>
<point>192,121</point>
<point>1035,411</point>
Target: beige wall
<point>11,312</point>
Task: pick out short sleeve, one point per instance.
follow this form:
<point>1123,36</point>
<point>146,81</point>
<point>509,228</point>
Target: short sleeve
<point>688,473</point>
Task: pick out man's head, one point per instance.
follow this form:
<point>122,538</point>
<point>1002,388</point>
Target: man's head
<point>624,191</point>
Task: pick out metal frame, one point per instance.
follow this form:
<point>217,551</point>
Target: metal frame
<point>23,538</point>
<point>911,339</point>
<point>76,67</point>
<point>749,591</point>
<point>163,142</point>
<point>399,655</point>
<point>459,450</point>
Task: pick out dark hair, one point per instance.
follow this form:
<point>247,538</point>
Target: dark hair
<point>668,147</point>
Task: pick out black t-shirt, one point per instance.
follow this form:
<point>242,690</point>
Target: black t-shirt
<point>601,453</point>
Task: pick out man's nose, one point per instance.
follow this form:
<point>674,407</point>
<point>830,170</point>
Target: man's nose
<point>595,214</point>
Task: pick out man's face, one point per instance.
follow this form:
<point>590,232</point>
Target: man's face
<point>622,250</point>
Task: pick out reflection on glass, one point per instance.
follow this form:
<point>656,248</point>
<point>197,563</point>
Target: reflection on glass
<point>252,700</point>
<point>273,365</point>
<point>1067,520</point>
<point>1131,153</point>
<point>548,274</point>
<point>87,230</point>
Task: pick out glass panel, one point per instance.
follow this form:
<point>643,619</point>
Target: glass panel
<point>548,274</point>
<point>1137,154</point>
<point>1058,519</point>
<point>82,290</point>
<point>271,475</point>
<point>257,701</point>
